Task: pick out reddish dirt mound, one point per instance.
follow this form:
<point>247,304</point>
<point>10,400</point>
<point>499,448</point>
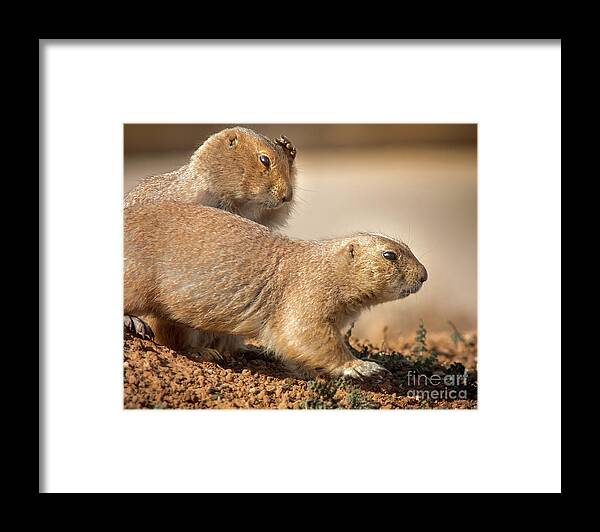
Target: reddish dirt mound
<point>438,374</point>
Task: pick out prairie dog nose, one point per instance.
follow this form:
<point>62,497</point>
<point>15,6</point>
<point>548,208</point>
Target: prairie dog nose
<point>423,276</point>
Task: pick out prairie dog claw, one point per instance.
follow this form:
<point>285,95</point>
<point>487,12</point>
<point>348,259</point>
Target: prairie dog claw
<point>364,370</point>
<point>286,144</point>
<point>137,327</point>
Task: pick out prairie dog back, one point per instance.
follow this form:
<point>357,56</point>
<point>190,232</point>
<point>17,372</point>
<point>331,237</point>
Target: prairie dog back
<point>199,260</point>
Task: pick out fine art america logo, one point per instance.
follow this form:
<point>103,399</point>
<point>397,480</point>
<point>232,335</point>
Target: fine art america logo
<point>444,386</point>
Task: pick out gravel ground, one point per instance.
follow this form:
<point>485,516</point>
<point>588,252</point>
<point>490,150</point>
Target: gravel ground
<point>436,373</point>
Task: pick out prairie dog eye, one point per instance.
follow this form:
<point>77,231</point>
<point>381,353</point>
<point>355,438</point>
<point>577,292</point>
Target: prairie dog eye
<point>389,255</point>
<point>265,161</point>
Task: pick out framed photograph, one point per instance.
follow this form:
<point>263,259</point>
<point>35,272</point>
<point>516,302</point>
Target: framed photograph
<point>262,257</point>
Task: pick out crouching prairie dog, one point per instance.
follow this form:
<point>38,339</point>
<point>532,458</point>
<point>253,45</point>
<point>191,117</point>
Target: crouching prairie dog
<point>230,278</point>
<point>237,170</point>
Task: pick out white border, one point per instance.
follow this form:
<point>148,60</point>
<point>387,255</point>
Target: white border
<point>512,443</point>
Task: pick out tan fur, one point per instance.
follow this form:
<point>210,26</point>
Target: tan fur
<point>221,274</point>
<point>224,172</point>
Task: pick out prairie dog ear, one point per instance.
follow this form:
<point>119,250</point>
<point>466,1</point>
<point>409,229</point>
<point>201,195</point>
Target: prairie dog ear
<point>232,139</point>
<point>346,254</point>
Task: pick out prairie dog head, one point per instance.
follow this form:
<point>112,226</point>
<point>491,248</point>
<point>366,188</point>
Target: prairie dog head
<point>382,269</point>
<point>246,167</point>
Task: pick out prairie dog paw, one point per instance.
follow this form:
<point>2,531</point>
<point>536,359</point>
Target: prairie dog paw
<point>206,354</point>
<point>137,327</point>
<point>286,144</point>
<point>364,370</point>
<point>251,350</point>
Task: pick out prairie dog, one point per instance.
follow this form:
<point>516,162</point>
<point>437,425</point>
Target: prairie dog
<point>237,170</point>
<point>232,278</point>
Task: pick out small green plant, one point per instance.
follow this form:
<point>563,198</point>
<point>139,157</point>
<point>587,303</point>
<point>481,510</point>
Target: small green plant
<point>356,400</point>
<point>420,346</point>
<point>456,336</point>
<point>313,403</point>
<point>424,359</point>
<point>323,394</point>
<point>215,393</point>
<point>325,389</point>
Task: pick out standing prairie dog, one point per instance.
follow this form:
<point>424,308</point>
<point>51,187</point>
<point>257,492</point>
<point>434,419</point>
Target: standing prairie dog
<point>232,278</point>
<point>237,170</point>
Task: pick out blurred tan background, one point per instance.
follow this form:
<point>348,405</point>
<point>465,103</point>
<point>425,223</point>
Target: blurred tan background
<point>414,182</point>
